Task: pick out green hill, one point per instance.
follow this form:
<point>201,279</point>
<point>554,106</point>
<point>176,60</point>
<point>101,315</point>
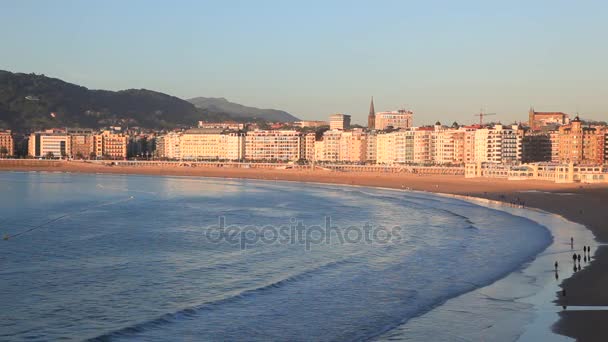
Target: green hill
<point>27,101</point>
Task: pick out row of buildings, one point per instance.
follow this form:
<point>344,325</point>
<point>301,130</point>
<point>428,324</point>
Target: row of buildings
<point>429,145</point>
<point>548,137</point>
<point>77,143</point>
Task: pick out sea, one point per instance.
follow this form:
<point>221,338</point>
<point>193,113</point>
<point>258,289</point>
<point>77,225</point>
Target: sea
<point>154,258</point>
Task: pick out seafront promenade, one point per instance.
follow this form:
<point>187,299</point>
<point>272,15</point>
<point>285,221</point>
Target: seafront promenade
<point>423,170</point>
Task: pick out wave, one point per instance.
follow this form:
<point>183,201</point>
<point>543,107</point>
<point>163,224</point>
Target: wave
<point>190,312</point>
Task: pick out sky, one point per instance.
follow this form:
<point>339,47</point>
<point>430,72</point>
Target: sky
<point>445,60</point>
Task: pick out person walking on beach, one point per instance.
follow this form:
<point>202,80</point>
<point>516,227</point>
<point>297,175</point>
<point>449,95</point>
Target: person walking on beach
<point>574,257</point>
<point>579,258</point>
<point>571,242</point>
<point>556,266</point>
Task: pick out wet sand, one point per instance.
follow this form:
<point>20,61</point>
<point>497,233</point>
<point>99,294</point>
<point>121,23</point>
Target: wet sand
<point>581,203</point>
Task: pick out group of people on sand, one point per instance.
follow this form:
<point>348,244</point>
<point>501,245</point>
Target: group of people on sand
<point>576,258</point>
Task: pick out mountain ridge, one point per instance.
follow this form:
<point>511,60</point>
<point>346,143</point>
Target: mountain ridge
<point>237,110</point>
<point>35,101</point>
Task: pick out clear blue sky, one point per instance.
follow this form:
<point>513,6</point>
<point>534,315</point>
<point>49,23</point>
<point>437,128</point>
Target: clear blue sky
<point>442,59</point>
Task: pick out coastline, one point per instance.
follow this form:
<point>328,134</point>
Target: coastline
<point>575,202</point>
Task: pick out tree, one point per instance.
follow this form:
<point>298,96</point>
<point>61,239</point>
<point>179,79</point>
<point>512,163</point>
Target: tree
<point>92,155</point>
<point>50,155</point>
<point>79,155</point>
<point>3,151</point>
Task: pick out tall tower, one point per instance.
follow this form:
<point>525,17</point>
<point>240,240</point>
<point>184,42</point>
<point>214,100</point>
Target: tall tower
<point>531,119</point>
<point>371,118</point>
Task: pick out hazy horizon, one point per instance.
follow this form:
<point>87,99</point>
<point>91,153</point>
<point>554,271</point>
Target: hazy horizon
<point>442,60</point>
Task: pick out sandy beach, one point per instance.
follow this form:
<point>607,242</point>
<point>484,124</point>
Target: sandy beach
<point>581,203</point>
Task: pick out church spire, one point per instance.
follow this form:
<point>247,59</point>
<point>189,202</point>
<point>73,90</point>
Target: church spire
<point>371,108</point>
<point>371,118</point>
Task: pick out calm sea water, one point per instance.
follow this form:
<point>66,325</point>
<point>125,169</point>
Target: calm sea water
<point>113,257</point>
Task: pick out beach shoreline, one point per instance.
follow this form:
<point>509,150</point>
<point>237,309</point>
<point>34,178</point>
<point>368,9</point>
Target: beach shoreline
<point>580,203</point>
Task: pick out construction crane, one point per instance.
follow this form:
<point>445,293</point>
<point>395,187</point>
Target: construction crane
<point>482,115</point>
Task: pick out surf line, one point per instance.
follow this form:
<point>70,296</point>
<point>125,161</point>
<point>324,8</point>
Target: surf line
<point>83,210</point>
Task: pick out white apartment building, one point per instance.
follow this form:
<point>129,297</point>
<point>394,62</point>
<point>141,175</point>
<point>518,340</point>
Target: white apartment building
<point>499,144</point>
<point>232,146</point>
<point>331,145</point>
<point>273,145</point>
<point>353,146</point>
<point>447,145</point>
<point>201,143</point>
<point>43,144</point>
<point>308,146</point>
<point>343,146</point>
<point>371,147</point>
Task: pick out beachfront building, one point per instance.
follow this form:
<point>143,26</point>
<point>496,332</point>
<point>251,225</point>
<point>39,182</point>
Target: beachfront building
<point>353,146</point>
<point>395,119</point>
<point>232,146</point>
<point>168,146</point>
<point>558,173</point>
<point>469,143</point>
<point>447,145</point>
<point>110,145</point>
<point>339,121</point>
<point>581,145</point>
<point>49,144</point>
<point>7,144</point>
<point>200,143</point>
<point>331,146</point>
<point>395,147</point>
<point>319,150</point>
<point>500,144</point>
<point>606,147</point>
<point>421,146</point>
<point>371,147</point>
<point>273,145</point>
<point>81,145</point>
<point>536,147</point>
<point>554,137</point>
<point>343,146</point>
<point>308,146</point>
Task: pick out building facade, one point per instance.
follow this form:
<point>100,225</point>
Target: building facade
<point>339,121</point>
<point>200,143</point>
<point>49,144</point>
<point>395,119</point>
<point>539,120</point>
<point>272,145</point>
<point>499,144</point>
<point>581,145</point>
<point>110,145</point>
<point>536,147</point>
<point>168,146</point>
<point>81,146</point>
<point>7,144</point>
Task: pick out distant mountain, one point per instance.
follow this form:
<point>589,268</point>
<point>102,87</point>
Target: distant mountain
<point>30,101</point>
<point>236,110</point>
